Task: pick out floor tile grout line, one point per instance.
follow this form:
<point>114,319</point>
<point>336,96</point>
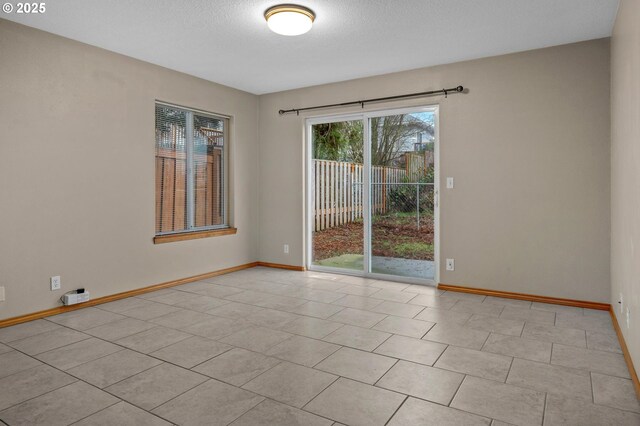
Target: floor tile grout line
<point>33,335</point>
<point>456,393</point>
<point>509,370</point>
<point>338,377</point>
<point>314,365</point>
<point>421,398</point>
<point>361,382</point>
<point>176,396</point>
<point>611,407</point>
<point>82,363</point>
<point>396,410</point>
<point>440,356</point>
<point>410,362</point>
<point>353,380</point>
<point>153,328</point>
<point>242,290</point>
<point>544,408</point>
<point>385,317</point>
<point>290,406</point>
<point>382,343</point>
<point>119,381</point>
<point>77,380</point>
<point>59,347</point>
<point>419,312</point>
<point>433,324</point>
<point>99,411</point>
<point>42,394</point>
<point>261,374</point>
<point>411,395</point>
<point>485,342</point>
<point>385,373</point>
<point>459,372</point>
<point>241,386</point>
<point>231,347</point>
<point>26,369</point>
<point>345,295</point>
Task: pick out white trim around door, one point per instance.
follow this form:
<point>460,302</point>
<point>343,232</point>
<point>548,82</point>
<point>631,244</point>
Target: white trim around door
<point>309,193</point>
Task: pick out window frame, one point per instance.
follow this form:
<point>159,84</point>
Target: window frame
<point>193,232</point>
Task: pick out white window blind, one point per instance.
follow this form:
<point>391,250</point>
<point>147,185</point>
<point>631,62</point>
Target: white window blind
<point>190,170</point>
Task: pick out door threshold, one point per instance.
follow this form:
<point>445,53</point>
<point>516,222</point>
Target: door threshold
<point>374,276</point>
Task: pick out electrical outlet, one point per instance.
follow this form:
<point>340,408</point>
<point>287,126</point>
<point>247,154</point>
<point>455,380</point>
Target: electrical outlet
<point>55,283</point>
<point>2,294</point>
<point>628,318</point>
<point>451,265</point>
<point>286,248</point>
<point>621,303</point>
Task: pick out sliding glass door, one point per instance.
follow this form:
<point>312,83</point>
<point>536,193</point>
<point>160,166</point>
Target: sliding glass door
<point>402,158</point>
<point>336,191</point>
<point>372,194</point>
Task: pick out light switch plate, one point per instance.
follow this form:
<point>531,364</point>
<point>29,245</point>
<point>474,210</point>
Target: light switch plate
<point>449,183</point>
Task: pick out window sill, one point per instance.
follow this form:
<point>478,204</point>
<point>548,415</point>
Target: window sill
<point>161,239</point>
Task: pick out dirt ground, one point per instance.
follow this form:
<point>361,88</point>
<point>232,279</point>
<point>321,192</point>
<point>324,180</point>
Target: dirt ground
<point>393,236</point>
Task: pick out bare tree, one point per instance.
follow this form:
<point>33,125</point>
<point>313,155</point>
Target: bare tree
<point>344,141</point>
<point>389,135</point>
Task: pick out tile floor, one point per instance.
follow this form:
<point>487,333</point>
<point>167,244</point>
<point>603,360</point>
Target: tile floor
<point>271,347</point>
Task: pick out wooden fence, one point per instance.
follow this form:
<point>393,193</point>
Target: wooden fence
<point>171,189</point>
<point>417,163</point>
<point>338,195</point>
<point>171,177</point>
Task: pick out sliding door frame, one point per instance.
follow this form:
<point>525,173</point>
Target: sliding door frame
<point>310,192</point>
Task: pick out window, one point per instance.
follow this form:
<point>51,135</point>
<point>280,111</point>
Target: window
<point>190,170</point>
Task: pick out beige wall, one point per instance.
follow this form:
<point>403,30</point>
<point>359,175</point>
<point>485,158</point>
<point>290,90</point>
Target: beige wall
<point>77,171</point>
<point>528,147</point>
<point>625,171</point>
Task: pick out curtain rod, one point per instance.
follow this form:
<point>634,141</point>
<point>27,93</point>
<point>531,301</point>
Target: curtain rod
<point>444,92</point>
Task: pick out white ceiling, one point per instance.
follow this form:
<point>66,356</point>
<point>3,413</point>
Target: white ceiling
<point>227,41</point>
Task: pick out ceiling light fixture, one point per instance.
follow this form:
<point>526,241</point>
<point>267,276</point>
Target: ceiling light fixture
<point>289,19</point>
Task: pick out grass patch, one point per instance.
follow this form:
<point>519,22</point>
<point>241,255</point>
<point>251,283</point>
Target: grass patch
<point>348,261</point>
<point>414,250</point>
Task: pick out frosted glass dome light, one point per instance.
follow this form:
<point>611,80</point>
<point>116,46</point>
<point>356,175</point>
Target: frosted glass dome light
<point>289,19</point>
